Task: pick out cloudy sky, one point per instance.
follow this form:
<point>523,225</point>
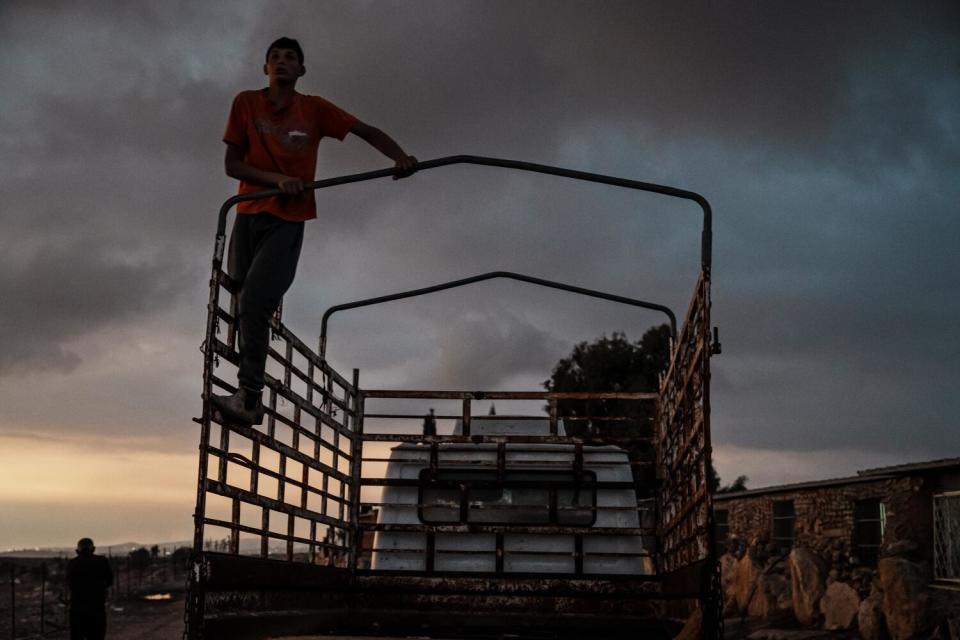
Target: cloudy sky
<point>826,135</point>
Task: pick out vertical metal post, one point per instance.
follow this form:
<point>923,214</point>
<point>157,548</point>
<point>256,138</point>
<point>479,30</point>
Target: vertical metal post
<point>578,554</point>
<point>466,416</point>
<point>43,596</point>
<point>356,472</point>
<point>235,531</point>
<point>430,551</point>
<point>225,448</point>
<point>500,552</point>
<point>264,528</point>
<point>290,531</point>
<point>13,602</point>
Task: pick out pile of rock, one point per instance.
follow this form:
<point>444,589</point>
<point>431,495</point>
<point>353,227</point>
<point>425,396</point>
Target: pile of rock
<point>889,602</point>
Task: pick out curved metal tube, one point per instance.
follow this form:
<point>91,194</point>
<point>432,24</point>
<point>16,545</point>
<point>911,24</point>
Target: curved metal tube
<point>489,276</point>
<point>706,237</point>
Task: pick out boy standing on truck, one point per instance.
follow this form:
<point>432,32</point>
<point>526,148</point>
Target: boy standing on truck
<point>272,137</point>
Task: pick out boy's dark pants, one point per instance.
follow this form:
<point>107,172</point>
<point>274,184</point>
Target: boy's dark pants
<point>264,250</point>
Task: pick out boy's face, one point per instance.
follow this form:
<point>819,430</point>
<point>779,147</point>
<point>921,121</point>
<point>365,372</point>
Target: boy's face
<point>283,66</point>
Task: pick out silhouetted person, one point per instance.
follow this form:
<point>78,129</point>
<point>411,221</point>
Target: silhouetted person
<point>88,576</point>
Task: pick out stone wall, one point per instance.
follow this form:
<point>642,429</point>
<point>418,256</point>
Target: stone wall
<point>822,583</point>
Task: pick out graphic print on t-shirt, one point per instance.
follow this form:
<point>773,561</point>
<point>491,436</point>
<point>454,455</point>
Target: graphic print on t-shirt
<point>296,138</point>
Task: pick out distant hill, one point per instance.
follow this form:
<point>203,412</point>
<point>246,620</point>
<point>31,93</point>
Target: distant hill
<point>121,549</point>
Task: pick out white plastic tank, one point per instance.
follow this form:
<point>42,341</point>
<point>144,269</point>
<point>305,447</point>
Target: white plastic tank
<point>533,466</point>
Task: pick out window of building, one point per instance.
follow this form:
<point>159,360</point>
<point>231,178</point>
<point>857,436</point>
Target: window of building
<point>523,498</point>
<point>869,523</point>
<point>946,536</point>
<point>783,519</point>
<point>722,529</point>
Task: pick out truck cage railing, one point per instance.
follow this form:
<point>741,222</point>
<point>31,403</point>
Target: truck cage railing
<point>286,512</point>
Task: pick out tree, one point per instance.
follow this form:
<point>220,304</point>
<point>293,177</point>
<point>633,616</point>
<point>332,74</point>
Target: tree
<point>615,364</point>
<point>139,558</point>
<point>740,484</point>
<point>612,364</point>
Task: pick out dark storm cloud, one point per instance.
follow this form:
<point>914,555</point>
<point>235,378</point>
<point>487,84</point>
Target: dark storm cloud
<point>764,71</point>
<point>825,135</point>
<point>481,350</point>
<point>62,291</point>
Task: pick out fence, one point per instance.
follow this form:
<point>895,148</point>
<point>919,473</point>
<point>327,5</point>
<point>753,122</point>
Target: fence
<point>34,592</point>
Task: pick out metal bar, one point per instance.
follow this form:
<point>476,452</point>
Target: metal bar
<point>596,440</point>
<point>399,394</point>
<point>261,438</point>
<point>519,529</point>
<point>499,560</point>
<point>282,479</point>
<point>304,485</point>
<point>276,387</point>
<point>13,602</point>
<point>501,461</point>
<point>578,554</point>
<point>235,520</point>
<point>466,416</point>
<point>706,233</point>
<point>264,529</point>
<point>419,416</point>
<point>554,424</point>
<point>267,503</point>
<point>491,484</point>
<point>506,508</point>
<point>431,547</point>
<point>453,284</point>
<point>464,502</point>
<point>43,598</point>
<point>272,414</point>
<point>356,472</point>
<point>258,470</point>
<point>517,465</point>
<point>290,522</point>
<point>271,534</point>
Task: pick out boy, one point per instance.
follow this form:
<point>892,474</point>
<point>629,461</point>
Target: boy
<point>272,137</point>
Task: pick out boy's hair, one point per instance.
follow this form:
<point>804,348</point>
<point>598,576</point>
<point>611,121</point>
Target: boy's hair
<point>286,43</point>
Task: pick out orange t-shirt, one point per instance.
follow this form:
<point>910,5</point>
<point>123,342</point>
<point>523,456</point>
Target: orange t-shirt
<point>283,141</point>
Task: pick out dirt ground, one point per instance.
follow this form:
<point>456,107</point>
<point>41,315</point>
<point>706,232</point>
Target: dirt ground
<point>163,620</point>
<point>143,620</point>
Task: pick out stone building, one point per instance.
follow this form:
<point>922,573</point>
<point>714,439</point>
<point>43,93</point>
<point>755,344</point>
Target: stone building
<point>878,552</point>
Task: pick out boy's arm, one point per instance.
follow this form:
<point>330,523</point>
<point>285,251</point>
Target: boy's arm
<point>386,145</point>
<point>235,167</point>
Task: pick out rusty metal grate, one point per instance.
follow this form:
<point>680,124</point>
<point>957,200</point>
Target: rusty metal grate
<point>286,513</point>
<point>683,442</point>
<point>425,462</point>
<point>282,489</point>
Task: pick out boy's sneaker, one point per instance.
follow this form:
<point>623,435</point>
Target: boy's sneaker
<point>242,406</point>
